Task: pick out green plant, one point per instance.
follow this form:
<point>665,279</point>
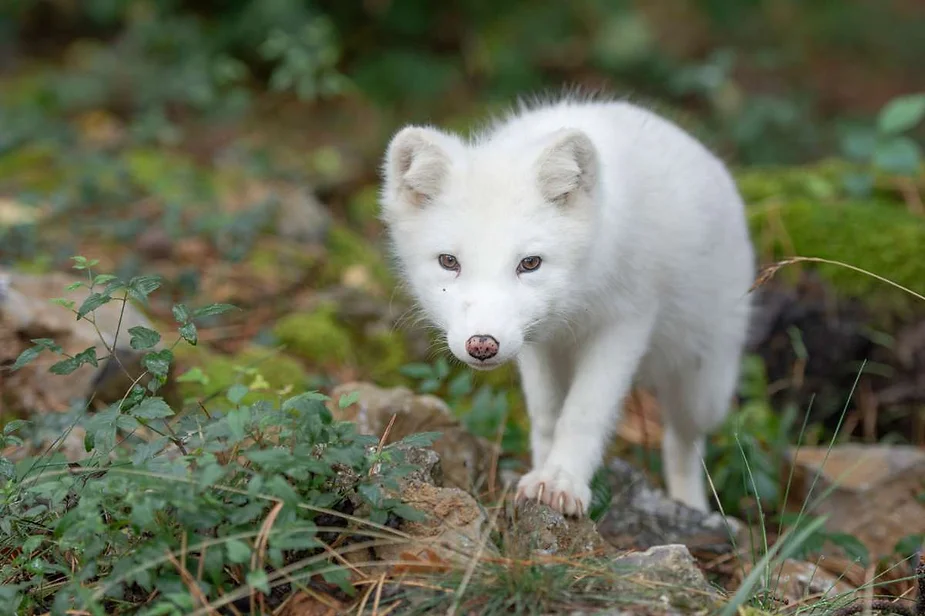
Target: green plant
<point>170,510</point>
<point>484,411</point>
<point>886,147</point>
<point>744,454</point>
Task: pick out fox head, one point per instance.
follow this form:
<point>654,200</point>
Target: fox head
<point>491,238</point>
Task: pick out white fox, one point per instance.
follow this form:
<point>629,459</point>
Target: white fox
<point>596,244</point>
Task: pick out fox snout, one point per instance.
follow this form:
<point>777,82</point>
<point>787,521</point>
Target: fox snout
<point>482,347</point>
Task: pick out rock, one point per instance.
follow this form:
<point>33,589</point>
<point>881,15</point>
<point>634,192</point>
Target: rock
<point>678,585</point>
<point>533,529</point>
<point>154,243</point>
<point>427,462</point>
<point>668,564</point>
<point>301,216</point>
<point>453,532</point>
<point>27,313</point>
<point>465,459</point>
<point>641,516</point>
<point>876,491</point>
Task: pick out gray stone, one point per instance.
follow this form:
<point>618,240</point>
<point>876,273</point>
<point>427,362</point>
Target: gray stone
<point>642,516</point>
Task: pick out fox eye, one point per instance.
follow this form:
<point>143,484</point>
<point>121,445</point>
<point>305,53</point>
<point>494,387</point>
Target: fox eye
<point>448,262</point>
<point>529,264</point>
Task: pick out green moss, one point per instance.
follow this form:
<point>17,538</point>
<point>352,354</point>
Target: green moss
<point>168,175</point>
<point>316,336</point>
<point>31,167</point>
<point>363,207</point>
<point>265,370</point>
<point>347,248</point>
<point>822,181</point>
<point>381,355</point>
<point>881,238</point>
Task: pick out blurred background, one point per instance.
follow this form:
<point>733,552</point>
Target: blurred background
<point>232,148</point>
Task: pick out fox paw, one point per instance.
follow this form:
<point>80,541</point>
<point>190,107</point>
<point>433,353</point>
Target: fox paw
<point>557,488</point>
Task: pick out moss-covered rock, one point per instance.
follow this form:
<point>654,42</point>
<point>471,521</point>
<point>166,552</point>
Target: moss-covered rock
<point>346,248</point>
<point>204,374</point>
<point>317,337</point>
<point>805,212</point>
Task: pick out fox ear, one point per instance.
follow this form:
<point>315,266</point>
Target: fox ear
<point>416,165</point>
<point>567,166</point>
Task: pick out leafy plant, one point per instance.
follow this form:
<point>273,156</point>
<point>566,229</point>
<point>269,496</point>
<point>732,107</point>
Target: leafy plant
<point>743,455</point>
<point>170,511</point>
<point>886,146</point>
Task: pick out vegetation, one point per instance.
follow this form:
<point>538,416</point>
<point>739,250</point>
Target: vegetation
<point>182,146</point>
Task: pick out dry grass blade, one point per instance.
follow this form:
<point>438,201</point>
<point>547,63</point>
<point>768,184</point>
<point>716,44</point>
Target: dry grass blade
<point>192,586</point>
<point>260,550</point>
<point>474,562</point>
<point>770,271</point>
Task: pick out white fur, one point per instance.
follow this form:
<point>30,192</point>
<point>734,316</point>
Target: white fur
<point>646,267</point>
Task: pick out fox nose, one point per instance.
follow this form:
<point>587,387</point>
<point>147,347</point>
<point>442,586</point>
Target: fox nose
<point>482,347</point>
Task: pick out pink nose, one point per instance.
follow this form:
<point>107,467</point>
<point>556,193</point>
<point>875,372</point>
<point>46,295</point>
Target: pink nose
<point>482,347</point>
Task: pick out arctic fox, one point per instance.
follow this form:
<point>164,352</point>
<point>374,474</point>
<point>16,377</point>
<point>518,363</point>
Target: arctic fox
<point>597,245</point>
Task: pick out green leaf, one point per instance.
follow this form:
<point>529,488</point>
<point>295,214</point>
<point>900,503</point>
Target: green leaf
<point>238,551</point>
<point>852,546</point>
<point>93,301</point>
<point>152,408</point>
<point>601,495</point>
<point>858,185</point>
<point>238,418</point>
<point>194,375</point>
<point>189,333</point>
<point>340,577</point>
<point>64,302</point>
<point>429,386</point>
<point>103,279</point>
<point>180,313</point>
<point>258,579</point>
<point>12,426</point>
<point>901,114</point>
<point>237,392</point>
<point>899,155</point>
<point>213,310</point>
<point>859,144</point>
<point>88,356</point>
<point>460,385</point>
<point>146,451</point>
<point>348,399</point>
<point>7,469</point>
<point>69,365</point>
<point>74,286</point>
<point>408,512</point>
<point>26,357</point>
<point>140,287</point>
<point>417,371</point>
<point>143,338</point>
<point>420,439</point>
<point>158,362</point>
